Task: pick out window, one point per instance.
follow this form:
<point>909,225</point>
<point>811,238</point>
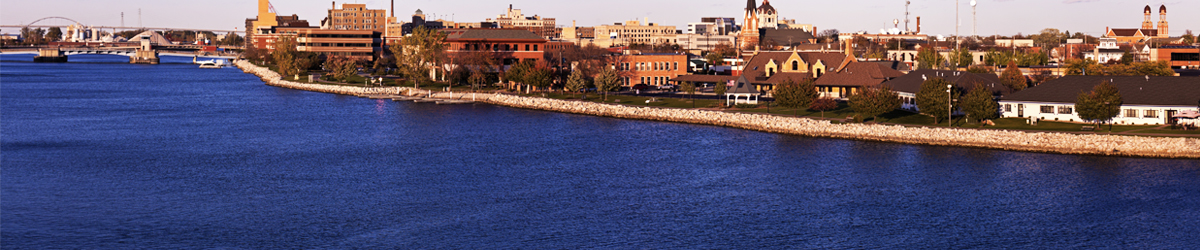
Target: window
<point>1047,109</point>
<point>1131,113</point>
<point>535,47</point>
<point>795,65</point>
<point>1150,113</point>
<point>1007,107</point>
<point>1065,110</point>
<point>527,47</point>
<point>675,66</point>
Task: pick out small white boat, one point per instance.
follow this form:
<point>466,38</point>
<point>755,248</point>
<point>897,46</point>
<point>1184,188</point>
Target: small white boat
<point>210,65</point>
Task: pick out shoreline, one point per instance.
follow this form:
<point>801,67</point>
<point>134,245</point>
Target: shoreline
<point>1038,142</point>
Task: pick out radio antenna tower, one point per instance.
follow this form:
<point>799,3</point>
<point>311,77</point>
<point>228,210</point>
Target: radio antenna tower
<point>906,3</point>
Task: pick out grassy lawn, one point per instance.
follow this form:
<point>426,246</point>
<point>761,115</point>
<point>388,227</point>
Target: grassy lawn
<point>631,100</point>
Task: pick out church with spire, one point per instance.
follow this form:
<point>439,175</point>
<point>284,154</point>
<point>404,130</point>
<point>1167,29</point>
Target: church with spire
<point>1146,32</point>
<point>757,17</point>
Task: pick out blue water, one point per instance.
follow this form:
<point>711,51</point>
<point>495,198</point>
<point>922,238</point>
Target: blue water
<point>101,154</point>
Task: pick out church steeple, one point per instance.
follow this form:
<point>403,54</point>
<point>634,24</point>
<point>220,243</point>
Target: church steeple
<point>750,5</point>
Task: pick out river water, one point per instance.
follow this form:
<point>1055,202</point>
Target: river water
<point>98,153</point>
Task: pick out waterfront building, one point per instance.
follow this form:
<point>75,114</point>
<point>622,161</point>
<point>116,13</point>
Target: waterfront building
<point>767,69</point>
<point>353,16</point>
<point>1148,100</point>
<point>505,46</point>
<point>260,30</point>
<point>654,69</point>
<point>907,86</point>
<point>513,18</point>
<point>354,44</point>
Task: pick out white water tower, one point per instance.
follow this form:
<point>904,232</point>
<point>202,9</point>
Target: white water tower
<point>974,19</point>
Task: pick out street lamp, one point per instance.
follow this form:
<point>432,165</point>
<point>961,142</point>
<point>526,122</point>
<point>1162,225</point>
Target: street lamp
<point>949,106</point>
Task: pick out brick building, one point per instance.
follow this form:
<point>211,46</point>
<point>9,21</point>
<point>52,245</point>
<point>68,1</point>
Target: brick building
<point>356,17</point>
<point>507,46</point>
<point>651,69</point>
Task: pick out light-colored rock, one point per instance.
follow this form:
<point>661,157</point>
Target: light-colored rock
<point>1065,143</point>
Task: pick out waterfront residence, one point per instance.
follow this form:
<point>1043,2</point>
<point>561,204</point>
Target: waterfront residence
<point>1148,100</point>
<point>909,85</point>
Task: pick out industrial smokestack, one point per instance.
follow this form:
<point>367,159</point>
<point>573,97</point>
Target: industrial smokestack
<point>918,25</point>
<point>393,8</point>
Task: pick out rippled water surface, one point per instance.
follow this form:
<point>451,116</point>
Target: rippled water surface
<point>98,153</point>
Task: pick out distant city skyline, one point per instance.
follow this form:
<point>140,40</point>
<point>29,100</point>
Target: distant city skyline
<point>996,17</point>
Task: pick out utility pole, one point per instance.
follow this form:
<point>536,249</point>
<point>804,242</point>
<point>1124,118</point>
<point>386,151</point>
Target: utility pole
<point>122,19</point>
<point>957,23</point>
<point>140,18</point>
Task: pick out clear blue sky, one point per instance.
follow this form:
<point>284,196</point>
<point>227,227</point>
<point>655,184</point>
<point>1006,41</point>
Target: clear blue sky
<point>1003,17</point>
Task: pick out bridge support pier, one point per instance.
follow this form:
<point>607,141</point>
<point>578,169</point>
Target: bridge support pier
<point>144,57</point>
<point>50,55</point>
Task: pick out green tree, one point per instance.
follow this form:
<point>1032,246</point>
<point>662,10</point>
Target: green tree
<point>577,82</point>
<point>1013,78</point>
<point>979,69</point>
<point>823,104</point>
<point>1127,58</point>
<point>341,69</point>
<point>874,101</point>
<point>979,104</point>
<point>690,89</point>
<point>517,72</point>
<point>1188,38</point>
<point>1049,38</point>
<point>962,57</point>
<point>539,77</point>
<point>417,53</point>
<point>54,34</point>
<point>793,94</point>
<point>932,99</point>
<point>607,81</point>
<point>1102,104</point>
<point>719,89</point>
<point>929,58</point>
<point>285,56</point>
<point>1152,68</point>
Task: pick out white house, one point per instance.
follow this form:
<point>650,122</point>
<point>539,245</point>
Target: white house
<point>1106,51</point>
<point>1147,100</point>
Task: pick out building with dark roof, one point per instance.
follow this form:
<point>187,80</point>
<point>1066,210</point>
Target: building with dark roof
<point>852,76</point>
<point>909,85</point>
<point>767,69</point>
<point>787,38</point>
<point>1149,100</point>
<point>506,46</point>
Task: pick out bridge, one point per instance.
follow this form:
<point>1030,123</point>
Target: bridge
<point>34,25</point>
<point>137,55</point>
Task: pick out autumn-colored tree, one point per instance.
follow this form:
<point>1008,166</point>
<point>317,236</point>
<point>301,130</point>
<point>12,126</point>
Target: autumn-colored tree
<point>823,104</point>
<point>793,94</point>
<point>929,58</point>
<point>1013,78</point>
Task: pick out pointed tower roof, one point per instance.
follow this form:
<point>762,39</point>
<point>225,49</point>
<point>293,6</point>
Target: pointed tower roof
<point>751,6</point>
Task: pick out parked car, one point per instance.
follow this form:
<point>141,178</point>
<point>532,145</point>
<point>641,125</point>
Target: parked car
<point>668,87</point>
<point>640,87</point>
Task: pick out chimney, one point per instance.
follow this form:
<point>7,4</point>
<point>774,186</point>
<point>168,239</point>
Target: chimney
<point>393,8</point>
<point>333,5</point>
<point>918,25</point>
<point>848,48</point>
